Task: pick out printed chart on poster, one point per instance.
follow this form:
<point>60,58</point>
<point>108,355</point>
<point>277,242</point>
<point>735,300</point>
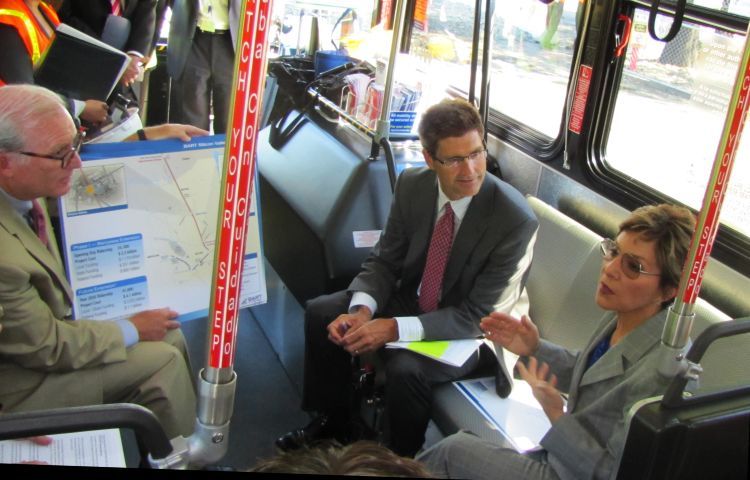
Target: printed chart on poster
<point>138,229</point>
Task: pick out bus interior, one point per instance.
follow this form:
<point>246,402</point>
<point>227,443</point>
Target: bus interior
<point>589,113</point>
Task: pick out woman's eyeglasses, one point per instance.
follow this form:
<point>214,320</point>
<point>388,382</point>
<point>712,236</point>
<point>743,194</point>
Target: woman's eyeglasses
<point>67,155</point>
<point>631,266</point>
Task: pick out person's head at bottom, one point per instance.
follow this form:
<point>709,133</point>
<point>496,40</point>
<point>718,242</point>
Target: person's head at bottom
<point>362,458</point>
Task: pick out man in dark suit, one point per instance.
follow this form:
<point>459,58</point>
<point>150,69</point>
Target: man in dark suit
<point>90,16</point>
<point>200,59</point>
<point>408,291</point>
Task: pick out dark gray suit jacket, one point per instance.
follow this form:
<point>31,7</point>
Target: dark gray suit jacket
<point>89,16</point>
<point>182,29</point>
<point>585,443</point>
<point>488,263</point>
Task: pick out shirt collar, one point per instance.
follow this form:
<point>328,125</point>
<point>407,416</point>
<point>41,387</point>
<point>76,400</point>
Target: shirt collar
<point>459,206</point>
<point>21,206</point>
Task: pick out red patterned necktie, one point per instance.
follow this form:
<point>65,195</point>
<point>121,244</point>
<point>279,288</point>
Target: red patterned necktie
<point>115,7</point>
<point>38,223</point>
<point>437,259</point>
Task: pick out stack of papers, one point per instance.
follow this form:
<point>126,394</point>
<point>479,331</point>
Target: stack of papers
<point>452,352</point>
<point>95,448</point>
<point>519,417</point>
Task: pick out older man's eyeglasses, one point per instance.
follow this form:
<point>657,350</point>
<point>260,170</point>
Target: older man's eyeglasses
<point>631,266</point>
<point>66,155</point>
<point>453,162</point>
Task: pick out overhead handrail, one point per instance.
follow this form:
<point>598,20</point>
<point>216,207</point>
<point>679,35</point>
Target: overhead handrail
<point>679,13</point>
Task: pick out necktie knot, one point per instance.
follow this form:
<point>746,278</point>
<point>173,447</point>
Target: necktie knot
<point>437,259</point>
<point>115,7</point>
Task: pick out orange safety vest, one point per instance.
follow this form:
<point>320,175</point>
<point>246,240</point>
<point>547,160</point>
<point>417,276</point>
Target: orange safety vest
<point>17,14</point>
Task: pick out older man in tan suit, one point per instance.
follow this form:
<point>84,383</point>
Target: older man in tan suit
<point>46,360</point>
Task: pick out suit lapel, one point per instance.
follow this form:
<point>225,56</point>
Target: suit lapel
<point>424,200</point>
<point>627,352</point>
<point>50,260</point>
<point>469,234</point>
<point>606,326</point>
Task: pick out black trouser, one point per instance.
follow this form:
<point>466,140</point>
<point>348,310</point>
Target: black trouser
<point>409,376</point>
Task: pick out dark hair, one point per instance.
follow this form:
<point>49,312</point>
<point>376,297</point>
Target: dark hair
<point>449,118</point>
<point>363,458</point>
<point>672,229</point>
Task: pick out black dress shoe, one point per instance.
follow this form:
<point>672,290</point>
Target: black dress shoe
<point>321,427</point>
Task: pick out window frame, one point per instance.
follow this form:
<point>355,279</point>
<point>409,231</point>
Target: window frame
<point>730,246</point>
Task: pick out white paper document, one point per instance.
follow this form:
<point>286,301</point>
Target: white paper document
<point>95,448</point>
<point>519,417</point>
<point>452,352</point>
<point>138,228</point>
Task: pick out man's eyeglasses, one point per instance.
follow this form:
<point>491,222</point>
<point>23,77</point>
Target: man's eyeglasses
<point>67,155</point>
<point>453,162</point>
<point>631,266</point>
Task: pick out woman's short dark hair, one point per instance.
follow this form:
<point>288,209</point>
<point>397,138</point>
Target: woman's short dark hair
<point>449,118</point>
<point>672,228</point>
<point>362,458</point>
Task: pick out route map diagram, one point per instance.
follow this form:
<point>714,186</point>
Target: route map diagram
<point>139,230</point>
<point>95,188</point>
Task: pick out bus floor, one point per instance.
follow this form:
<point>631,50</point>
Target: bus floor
<point>267,398</point>
<point>269,362</point>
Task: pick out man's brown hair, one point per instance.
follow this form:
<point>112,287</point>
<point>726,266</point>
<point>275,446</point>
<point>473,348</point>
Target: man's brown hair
<point>449,118</point>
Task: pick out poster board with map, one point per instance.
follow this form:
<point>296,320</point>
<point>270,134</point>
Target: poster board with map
<point>138,229</point>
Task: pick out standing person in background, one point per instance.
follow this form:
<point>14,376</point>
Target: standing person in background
<point>26,30</point>
<point>200,59</point>
<point>90,16</point>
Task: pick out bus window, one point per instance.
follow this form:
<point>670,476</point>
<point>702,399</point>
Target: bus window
<point>532,53</point>
<point>670,111</point>
<point>442,37</point>
<point>338,21</point>
<point>738,7</point>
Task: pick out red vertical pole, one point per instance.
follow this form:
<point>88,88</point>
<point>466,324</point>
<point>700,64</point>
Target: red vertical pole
<point>217,382</point>
<point>680,315</point>
<point>239,168</point>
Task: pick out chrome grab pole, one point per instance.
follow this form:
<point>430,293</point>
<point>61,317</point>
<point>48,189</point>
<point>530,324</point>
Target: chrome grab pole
<point>384,122</point>
<point>680,315</point>
<point>216,383</point>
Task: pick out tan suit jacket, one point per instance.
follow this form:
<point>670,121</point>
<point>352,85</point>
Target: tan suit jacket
<point>48,361</point>
<point>37,340</point>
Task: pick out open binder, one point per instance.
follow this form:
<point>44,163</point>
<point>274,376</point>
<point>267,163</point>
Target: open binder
<point>80,66</point>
